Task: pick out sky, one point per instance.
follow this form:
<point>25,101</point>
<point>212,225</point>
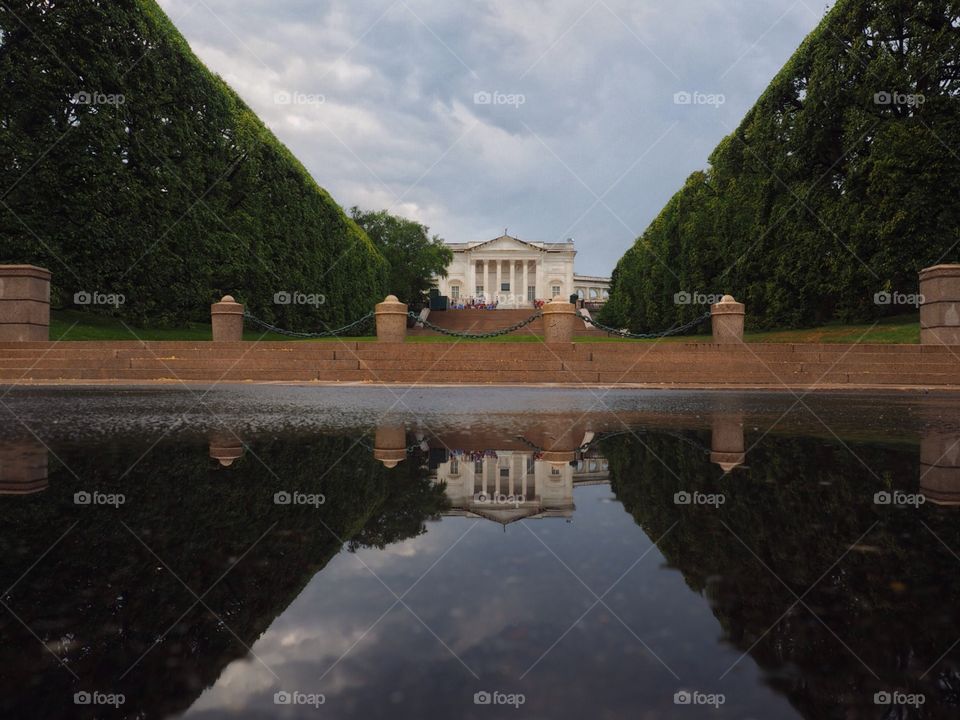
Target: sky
<point>553,119</point>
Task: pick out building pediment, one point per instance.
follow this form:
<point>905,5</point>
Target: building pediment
<point>506,243</point>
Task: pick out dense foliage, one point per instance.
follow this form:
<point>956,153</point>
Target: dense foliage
<point>127,168</point>
<point>415,259</point>
<point>842,182</point>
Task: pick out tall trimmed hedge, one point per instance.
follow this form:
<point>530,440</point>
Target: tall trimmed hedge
<point>826,194</point>
<point>174,196</point>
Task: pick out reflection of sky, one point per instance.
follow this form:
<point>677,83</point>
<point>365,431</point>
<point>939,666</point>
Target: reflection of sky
<point>498,601</point>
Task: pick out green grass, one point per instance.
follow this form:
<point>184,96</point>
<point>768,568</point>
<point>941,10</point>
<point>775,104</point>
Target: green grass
<point>75,325</point>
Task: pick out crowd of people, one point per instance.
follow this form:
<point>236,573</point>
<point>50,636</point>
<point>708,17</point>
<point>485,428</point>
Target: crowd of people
<point>484,304</point>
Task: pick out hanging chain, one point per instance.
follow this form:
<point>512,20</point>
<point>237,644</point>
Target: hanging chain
<point>495,333</point>
<point>290,333</point>
<point>644,336</point>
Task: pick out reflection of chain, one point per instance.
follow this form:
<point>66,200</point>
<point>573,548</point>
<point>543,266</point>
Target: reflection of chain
<point>290,333</point>
<point>644,336</point>
<point>495,333</point>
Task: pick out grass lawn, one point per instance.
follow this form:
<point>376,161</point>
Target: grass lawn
<point>75,325</point>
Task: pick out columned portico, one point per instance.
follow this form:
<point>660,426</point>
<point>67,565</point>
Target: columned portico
<point>500,273</point>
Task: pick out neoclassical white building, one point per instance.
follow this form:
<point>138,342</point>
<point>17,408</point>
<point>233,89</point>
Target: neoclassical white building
<point>514,273</point>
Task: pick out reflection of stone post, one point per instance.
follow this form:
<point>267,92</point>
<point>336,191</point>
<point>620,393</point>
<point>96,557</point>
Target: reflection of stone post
<point>390,445</point>
<point>940,305</point>
<point>727,448</point>
<point>727,317</point>
<point>391,317</point>
<point>940,467</point>
<point>225,448</point>
<point>23,467</point>
<point>558,321</point>
<point>226,317</point>
<point>24,303</point>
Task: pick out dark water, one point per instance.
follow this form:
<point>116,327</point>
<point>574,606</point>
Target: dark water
<point>561,554</point>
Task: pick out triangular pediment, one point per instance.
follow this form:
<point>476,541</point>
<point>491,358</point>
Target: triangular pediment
<point>506,243</point>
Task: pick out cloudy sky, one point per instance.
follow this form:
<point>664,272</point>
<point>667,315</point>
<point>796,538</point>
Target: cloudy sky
<point>553,118</point>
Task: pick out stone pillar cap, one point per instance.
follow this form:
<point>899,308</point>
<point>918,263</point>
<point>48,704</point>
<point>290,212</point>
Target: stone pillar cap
<point>933,271</point>
<point>227,299</point>
<point>727,299</point>
<point>25,271</point>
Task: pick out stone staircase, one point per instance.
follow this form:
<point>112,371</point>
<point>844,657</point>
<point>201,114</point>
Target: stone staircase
<point>484,321</point>
<point>670,364</point>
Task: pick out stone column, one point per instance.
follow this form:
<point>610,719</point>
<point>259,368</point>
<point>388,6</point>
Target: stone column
<point>940,467</point>
<point>391,316</point>
<point>226,319</point>
<point>727,447</point>
<point>940,305</point>
<point>24,303</point>
<point>526,280</point>
<point>495,295</point>
<point>513,281</point>
<point>727,317</point>
<point>471,279</point>
<point>558,321</point>
<point>23,467</point>
<point>390,445</point>
<point>225,447</point>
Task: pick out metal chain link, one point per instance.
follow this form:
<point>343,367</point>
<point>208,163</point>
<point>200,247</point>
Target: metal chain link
<point>496,333</point>
<point>644,336</point>
<point>290,333</point>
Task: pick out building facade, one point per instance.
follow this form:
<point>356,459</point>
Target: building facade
<point>513,273</point>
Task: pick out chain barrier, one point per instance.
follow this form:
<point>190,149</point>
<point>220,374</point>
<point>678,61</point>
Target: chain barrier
<point>290,333</point>
<point>644,336</point>
<point>495,333</point>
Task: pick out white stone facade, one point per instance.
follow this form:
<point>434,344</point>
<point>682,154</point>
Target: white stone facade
<point>513,273</point>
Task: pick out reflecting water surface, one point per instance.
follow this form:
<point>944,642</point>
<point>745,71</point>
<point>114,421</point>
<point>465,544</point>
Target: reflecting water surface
<point>305,552</point>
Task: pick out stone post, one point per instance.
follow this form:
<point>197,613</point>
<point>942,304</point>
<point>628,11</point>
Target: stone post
<point>391,317</point>
<point>727,444</point>
<point>559,319</point>
<point>940,467</point>
<point>390,445</point>
<point>940,305</point>
<point>23,467</point>
<point>727,318</point>
<point>225,448</point>
<point>226,317</point>
<point>24,303</point>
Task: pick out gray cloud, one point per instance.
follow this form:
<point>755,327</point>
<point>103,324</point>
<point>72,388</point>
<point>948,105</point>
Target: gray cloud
<point>398,126</point>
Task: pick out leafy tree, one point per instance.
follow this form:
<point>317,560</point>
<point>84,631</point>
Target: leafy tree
<point>127,167</point>
<point>414,258</point>
<point>840,183</point>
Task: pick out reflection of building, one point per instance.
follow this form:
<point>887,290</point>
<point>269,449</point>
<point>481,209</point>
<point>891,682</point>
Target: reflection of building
<point>515,272</point>
<point>509,485</point>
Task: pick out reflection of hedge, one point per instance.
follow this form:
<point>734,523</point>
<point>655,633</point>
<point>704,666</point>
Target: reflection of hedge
<point>174,197</point>
<point>106,591</point>
<point>799,506</point>
<point>822,197</point>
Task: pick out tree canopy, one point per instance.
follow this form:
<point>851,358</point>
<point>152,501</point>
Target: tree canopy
<point>127,167</point>
<point>840,184</point>
<point>414,258</point>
